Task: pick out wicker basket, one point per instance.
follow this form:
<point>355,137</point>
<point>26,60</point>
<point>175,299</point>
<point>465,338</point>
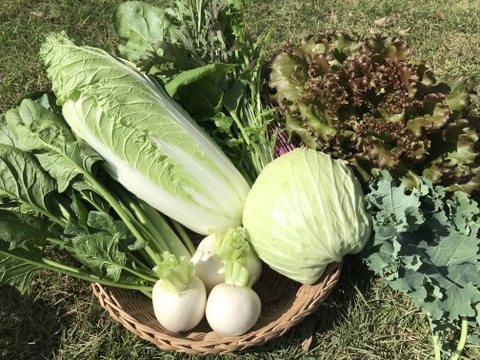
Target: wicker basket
<point>285,303</point>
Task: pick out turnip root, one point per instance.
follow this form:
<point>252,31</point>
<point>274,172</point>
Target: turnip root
<point>232,310</point>
<point>179,298</point>
<point>210,268</point>
<point>179,311</point>
<point>233,307</point>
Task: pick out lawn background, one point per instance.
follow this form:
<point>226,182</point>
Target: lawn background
<point>362,319</point>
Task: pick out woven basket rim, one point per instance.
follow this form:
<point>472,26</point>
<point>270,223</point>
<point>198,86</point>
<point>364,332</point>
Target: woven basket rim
<point>302,301</point>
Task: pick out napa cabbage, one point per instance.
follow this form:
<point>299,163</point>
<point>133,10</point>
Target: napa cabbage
<point>149,143</point>
<point>305,211</point>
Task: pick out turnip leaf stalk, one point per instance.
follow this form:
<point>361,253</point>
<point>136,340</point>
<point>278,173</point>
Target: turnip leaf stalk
<point>221,248</point>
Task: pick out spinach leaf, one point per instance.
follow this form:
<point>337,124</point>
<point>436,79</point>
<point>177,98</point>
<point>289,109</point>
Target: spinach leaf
<point>24,181</point>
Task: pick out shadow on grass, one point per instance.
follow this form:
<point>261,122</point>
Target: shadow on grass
<point>29,328</point>
<point>355,280</point>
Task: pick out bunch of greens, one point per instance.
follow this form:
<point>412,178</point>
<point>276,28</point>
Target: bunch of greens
<point>55,195</point>
<point>200,52</point>
<point>426,245</point>
<point>366,101</point>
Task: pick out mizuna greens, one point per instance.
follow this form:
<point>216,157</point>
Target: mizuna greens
<point>149,143</point>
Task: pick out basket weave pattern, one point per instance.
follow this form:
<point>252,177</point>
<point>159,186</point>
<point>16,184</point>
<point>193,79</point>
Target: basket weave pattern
<point>285,303</point>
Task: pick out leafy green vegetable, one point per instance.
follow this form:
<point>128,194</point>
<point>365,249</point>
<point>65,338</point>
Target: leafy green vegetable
<point>142,26</point>
<point>209,65</point>
<point>149,143</point>
<point>426,244</point>
<point>54,194</point>
<point>305,211</point>
<point>180,35</point>
<point>23,236</point>
<point>366,101</point>
<point>40,130</point>
<point>25,181</point>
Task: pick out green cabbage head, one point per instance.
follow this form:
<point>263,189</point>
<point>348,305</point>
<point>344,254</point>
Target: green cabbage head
<point>305,211</point>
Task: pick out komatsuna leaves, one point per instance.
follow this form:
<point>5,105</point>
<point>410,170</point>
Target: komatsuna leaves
<point>41,131</point>
<point>22,245</point>
<point>106,223</point>
<point>103,221</point>
<point>104,251</point>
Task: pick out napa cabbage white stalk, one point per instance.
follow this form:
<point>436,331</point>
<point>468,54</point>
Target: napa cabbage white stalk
<point>150,144</point>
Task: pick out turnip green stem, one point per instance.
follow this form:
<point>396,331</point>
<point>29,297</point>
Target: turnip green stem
<point>436,348</point>
<point>233,246</point>
<point>152,254</point>
<point>71,250</point>
<point>172,240</point>
<point>238,275</point>
<point>51,265</point>
<point>463,339</point>
<point>176,272</point>
<point>184,236</point>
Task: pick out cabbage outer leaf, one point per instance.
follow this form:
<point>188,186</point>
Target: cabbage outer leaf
<point>305,211</point>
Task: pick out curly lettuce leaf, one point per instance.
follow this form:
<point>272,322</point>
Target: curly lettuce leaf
<point>367,101</point>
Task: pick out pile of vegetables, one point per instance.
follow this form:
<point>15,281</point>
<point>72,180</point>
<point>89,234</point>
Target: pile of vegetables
<point>135,158</point>
<point>119,174</point>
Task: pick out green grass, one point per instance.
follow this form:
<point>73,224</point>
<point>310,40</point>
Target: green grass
<point>362,318</point>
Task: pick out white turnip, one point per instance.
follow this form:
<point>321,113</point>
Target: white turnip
<point>232,310</point>
<point>233,307</point>
<point>218,249</point>
<point>210,268</point>
<point>179,311</point>
<point>179,298</point>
